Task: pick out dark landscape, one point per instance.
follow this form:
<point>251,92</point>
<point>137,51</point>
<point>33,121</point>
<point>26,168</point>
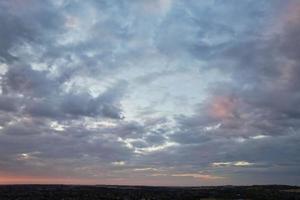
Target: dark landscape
<point>74,192</point>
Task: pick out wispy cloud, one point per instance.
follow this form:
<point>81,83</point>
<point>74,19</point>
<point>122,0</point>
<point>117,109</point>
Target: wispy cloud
<point>235,164</point>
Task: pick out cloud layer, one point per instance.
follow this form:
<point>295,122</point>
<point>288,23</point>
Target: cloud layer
<point>163,92</point>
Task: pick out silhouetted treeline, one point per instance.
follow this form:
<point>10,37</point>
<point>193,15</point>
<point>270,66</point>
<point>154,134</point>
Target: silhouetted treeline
<point>65,192</point>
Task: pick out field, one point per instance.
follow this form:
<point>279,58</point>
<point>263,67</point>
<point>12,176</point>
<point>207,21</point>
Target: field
<point>72,192</point>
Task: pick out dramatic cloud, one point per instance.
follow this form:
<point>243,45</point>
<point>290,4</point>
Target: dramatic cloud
<point>157,92</point>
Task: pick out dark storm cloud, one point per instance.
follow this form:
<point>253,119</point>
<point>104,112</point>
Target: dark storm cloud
<point>26,22</point>
<point>73,106</point>
<point>8,103</point>
<point>44,97</point>
<point>106,104</point>
<point>24,80</point>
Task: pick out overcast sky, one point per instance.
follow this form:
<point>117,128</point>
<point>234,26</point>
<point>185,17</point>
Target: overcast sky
<point>152,92</point>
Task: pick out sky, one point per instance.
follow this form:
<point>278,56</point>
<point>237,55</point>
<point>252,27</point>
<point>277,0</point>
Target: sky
<point>150,92</point>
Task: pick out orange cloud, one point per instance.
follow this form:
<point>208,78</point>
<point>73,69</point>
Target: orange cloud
<point>288,17</point>
<point>291,14</point>
<point>10,179</point>
<point>200,176</point>
<point>222,107</point>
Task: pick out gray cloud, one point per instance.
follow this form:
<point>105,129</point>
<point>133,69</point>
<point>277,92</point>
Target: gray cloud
<point>150,90</point>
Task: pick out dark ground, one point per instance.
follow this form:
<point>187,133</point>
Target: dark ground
<point>68,192</point>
